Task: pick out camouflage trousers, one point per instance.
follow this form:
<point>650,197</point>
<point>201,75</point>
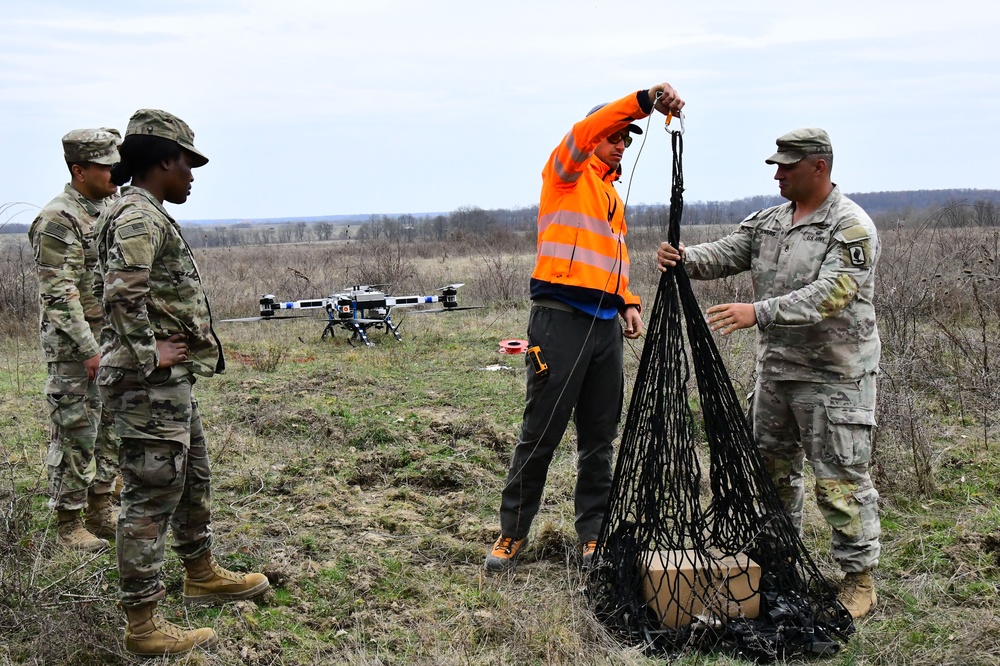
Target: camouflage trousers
<point>830,424</point>
<point>83,450</point>
<point>166,474</point>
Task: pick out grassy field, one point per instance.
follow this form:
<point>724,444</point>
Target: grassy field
<point>365,481</point>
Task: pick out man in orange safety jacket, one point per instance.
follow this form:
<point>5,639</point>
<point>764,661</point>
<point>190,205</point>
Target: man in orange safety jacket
<point>579,288</point>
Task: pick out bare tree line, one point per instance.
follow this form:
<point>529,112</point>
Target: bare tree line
<point>506,227</point>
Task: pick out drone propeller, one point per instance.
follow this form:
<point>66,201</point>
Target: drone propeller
<point>245,319</point>
<point>361,321</point>
<point>451,287</point>
<point>439,310</point>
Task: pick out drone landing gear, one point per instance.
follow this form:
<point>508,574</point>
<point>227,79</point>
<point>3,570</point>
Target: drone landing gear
<point>394,328</point>
<point>359,329</point>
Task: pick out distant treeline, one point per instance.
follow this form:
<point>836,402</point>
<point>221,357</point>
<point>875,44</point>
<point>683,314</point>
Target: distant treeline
<point>502,227</point>
<point>947,208</point>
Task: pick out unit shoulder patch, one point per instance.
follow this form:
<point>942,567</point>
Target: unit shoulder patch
<point>858,254</point>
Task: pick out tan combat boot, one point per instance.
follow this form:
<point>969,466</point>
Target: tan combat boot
<point>207,583</point>
<point>102,516</point>
<point>857,593</point>
<point>149,635</point>
<point>71,533</point>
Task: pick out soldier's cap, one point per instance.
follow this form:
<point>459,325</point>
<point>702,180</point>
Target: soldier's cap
<point>91,145</point>
<point>633,129</point>
<point>112,130</point>
<point>165,125</point>
<point>799,144</point>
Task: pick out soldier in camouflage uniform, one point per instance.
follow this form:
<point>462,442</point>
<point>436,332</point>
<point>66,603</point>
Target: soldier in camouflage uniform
<point>812,262</point>
<point>82,459</point>
<point>160,340</point>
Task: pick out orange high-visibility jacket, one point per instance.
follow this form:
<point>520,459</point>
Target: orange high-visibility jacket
<point>581,218</point>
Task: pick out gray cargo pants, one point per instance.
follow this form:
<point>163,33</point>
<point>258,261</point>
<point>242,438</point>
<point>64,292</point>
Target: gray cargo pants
<point>585,379</point>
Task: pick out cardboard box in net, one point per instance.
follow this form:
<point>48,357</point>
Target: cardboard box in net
<point>681,584</point>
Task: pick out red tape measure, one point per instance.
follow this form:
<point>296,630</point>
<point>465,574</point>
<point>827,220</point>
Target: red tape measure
<point>513,346</point>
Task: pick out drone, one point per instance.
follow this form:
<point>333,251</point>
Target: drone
<point>359,309</point>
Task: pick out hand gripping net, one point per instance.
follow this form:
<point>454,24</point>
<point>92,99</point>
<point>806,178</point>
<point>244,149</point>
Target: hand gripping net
<point>676,567</point>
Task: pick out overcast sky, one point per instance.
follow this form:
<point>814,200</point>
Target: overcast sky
<point>391,106</point>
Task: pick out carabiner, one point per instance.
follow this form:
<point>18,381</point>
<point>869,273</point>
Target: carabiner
<point>666,125</point>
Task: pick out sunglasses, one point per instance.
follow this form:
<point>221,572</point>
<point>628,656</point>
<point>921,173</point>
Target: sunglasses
<point>620,136</point>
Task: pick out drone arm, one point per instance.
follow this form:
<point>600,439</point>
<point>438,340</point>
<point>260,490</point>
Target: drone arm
<point>407,301</point>
<point>268,305</point>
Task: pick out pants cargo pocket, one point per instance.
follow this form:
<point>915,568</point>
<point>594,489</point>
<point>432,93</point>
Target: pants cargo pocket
<point>69,412</point>
<point>870,525</point>
<point>153,464</point>
<point>850,435</point>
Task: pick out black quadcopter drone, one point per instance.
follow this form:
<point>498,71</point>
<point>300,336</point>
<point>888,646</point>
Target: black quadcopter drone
<point>361,308</point>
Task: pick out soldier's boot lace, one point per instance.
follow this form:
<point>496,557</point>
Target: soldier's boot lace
<point>71,533</point>
<point>857,593</point>
<point>503,556</point>
<point>102,516</point>
<point>205,582</point>
<point>149,635</point>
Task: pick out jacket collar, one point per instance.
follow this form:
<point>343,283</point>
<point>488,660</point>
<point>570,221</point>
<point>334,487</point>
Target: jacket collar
<point>87,204</point>
<point>602,170</point>
<point>142,192</point>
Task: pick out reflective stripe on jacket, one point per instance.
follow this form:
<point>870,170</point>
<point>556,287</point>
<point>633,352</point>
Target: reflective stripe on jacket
<point>581,218</point>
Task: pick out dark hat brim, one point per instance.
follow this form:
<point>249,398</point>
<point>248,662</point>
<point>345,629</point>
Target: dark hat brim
<point>198,160</point>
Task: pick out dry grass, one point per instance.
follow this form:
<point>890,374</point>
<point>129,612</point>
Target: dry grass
<point>365,481</point>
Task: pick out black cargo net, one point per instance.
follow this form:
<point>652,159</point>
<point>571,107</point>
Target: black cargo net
<point>693,562</point>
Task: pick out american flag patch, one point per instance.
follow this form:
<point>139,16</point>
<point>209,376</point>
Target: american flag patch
<point>132,229</point>
<point>56,230</point>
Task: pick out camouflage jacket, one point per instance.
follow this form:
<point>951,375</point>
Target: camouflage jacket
<point>70,315</point>
<point>813,285</point>
<point>152,288</point>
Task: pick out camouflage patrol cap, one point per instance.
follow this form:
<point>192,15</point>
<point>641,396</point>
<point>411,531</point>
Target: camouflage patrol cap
<point>800,143</point>
<point>90,145</point>
<point>112,130</point>
<point>167,126</point>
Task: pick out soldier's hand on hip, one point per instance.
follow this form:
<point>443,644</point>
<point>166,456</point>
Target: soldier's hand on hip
<point>731,317</point>
<point>92,365</point>
<point>172,351</point>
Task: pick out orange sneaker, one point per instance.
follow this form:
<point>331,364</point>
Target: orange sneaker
<point>588,554</point>
<point>504,552</point>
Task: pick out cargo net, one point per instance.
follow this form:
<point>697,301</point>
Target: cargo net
<point>687,562</point>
